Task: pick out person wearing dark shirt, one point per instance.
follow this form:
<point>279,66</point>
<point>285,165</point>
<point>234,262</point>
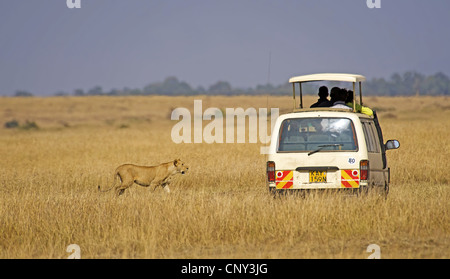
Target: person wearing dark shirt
<point>323,97</point>
<point>333,94</point>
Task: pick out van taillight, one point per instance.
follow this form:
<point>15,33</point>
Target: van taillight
<point>271,171</point>
<point>364,170</point>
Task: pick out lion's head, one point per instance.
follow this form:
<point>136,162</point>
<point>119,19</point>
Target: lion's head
<point>181,166</point>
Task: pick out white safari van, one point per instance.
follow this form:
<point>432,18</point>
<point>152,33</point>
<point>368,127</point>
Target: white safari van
<point>328,148</point>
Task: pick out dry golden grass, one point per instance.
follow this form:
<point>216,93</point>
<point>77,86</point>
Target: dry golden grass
<point>221,208</point>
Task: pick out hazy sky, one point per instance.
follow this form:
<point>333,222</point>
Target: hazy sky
<point>46,47</point>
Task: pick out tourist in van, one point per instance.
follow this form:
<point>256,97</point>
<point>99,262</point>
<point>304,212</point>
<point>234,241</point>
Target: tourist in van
<point>358,107</point>
<point>323,97</point>
<point>341,97</point>
<point>333,94</point>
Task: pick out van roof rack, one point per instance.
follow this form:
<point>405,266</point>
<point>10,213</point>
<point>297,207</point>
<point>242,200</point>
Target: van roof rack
<point>327,77</point>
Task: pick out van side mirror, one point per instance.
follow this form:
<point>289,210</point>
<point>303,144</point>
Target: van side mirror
<point>392,144</point>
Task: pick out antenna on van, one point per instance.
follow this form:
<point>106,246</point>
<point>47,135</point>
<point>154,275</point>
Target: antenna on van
<point>268,78</point>
<point>267,95</point>
<point>270,62</point>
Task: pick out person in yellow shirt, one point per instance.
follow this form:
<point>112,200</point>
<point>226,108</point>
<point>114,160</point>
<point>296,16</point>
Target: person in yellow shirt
<point>359,108</point>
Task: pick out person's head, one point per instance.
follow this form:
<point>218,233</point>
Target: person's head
<point>323,92</point>
<point>342,95</point>
<point>349,97</point>
<point>334,93</point>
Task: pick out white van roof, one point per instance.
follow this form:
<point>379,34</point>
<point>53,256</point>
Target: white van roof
<point>328,76</point>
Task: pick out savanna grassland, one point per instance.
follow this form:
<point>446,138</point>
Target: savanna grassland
<point>62,148</point>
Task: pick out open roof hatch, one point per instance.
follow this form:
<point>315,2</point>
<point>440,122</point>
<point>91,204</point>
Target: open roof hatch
<point>327,77</point>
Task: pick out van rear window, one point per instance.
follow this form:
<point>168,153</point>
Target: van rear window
<point>310,134</point>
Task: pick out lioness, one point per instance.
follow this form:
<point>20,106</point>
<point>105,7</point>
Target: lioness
<point>154,176</point>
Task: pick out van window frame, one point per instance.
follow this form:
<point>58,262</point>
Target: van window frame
<point>354,135</point>
<point>380,137</point>
<point>371,136</point>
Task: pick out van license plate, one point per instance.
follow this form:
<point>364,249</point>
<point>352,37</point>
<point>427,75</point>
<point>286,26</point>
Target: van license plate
<point>317,176</point>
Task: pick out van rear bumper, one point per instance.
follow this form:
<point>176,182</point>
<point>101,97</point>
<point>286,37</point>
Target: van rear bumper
<point>316,186</point>
<point>302,192</point>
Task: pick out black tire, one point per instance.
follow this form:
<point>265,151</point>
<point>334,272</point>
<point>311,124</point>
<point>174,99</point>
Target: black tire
<point>386,189</point>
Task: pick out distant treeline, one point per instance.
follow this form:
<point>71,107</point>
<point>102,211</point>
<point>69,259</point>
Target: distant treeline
<point>406,84</point>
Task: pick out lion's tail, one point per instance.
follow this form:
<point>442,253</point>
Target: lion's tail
<point>114,184</point>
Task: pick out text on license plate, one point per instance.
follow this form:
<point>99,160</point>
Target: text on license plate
<point>317,176</point>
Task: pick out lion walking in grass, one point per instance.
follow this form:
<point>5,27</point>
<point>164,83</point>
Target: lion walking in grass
<point>146,176</point>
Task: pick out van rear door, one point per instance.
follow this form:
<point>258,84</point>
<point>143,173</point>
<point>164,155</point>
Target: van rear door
<point>321,146</point>
<point>377,172</point>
